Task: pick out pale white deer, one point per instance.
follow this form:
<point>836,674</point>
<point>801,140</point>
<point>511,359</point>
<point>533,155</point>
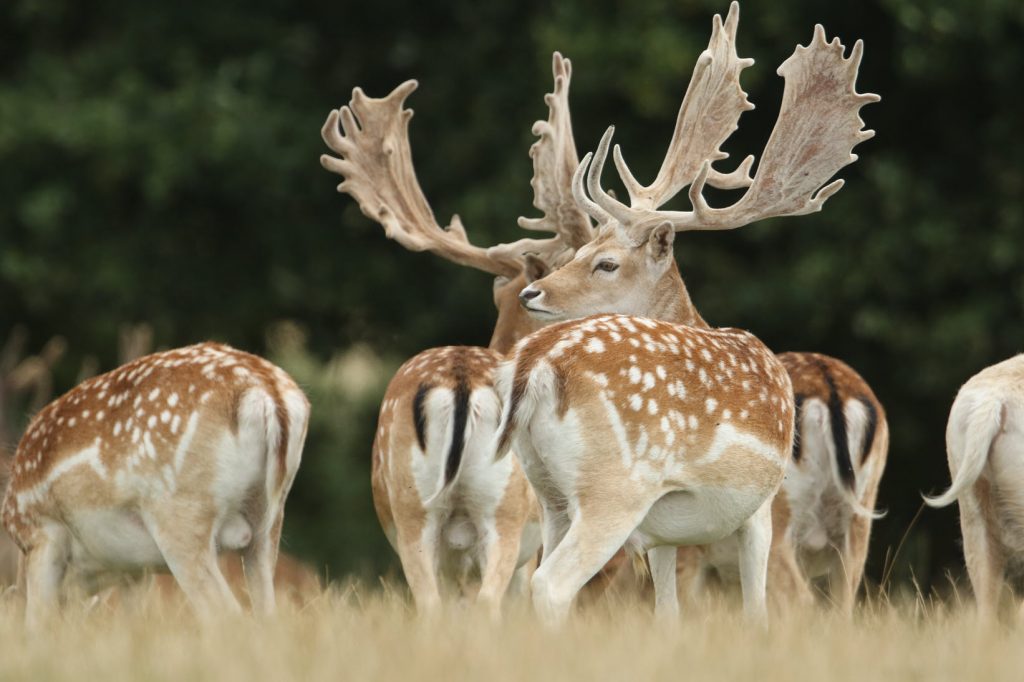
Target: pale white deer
<point>161,462</point>
<point>445,505</point>
<point>657,433</point>
<point>985,444</point>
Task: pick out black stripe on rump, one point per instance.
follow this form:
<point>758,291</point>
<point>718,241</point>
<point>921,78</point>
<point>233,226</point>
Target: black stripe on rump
<point>838,420</point>
<point>459,420</point>
<point>419,415</point>
<point>872,427</point>
<point>798,415</point>
<point>518,390</point>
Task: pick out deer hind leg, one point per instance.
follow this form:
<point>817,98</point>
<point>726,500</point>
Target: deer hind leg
<point>852,556</point>
<point>259,559</point>
<point>664,561</point>
<point>787,584</point>
<point>755,536</point>
<point>418,550</point>
<point>500,551</point>
<point>185,533</point>
<point>982,549</point>
<point>593,537</point>
<point>691,576</point>
<point>43,569</point>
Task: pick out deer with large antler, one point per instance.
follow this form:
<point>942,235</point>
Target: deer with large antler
<point>445,504</point>
<point>654,433</point>
<point>162,462</point>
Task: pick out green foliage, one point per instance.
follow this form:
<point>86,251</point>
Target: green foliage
<point>161,165</point>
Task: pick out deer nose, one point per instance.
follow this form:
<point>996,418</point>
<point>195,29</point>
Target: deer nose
<point>528,294</point>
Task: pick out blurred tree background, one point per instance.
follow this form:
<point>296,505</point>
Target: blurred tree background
<point>160,165</point>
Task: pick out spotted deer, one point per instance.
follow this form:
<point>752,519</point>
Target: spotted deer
<point>294,579</point>
<point>161,462</point>
<point>653,433</point>
<point>984,444</point>
<point>26,381</point>
<point>446,506</point>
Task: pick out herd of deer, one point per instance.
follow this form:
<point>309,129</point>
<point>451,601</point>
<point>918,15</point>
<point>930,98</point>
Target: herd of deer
<point>638,429</point>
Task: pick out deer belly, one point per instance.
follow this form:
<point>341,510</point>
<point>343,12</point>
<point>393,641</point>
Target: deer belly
<point>697,517</point>
<point>112,538</point>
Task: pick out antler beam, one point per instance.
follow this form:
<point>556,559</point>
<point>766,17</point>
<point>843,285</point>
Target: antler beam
<point>376,164</point>
<point>818,125</point>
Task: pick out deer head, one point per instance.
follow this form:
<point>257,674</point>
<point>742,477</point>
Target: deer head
<point>376,163</point>
<point>629,266</point>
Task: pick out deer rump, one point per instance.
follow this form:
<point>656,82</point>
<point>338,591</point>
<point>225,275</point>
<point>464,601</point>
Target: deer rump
<point>246,475</point>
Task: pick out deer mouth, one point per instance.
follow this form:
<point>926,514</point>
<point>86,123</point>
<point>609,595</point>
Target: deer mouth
<point>541,313</point>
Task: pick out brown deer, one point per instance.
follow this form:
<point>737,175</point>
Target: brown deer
<point>984,443</point>
<point>445,505</point>
<point>161,462</point>
<point>294,579</point>
<point>28,380</point>
<point>662,433</point>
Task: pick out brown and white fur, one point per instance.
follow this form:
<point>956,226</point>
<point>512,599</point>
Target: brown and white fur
<point>822,515</point>
<point>628,268</point>
<point>448,508</point>
<point>467,516</point>
<point>161,462</point>
<point>985,447</point>
<point>647,434</point>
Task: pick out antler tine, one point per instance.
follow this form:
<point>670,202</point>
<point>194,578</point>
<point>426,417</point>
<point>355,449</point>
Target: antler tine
<point>554,162</point>
<point>818,126</point>
<point>582,200</point>
<point>710,112</point>
<point>605,201</point>
<point>376,164</point>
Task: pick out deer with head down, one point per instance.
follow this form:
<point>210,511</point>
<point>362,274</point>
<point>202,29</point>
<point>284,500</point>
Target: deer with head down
<point>445,504</point>
<point>21,377</point>
<point>654,433</point>
<point>162,462</point>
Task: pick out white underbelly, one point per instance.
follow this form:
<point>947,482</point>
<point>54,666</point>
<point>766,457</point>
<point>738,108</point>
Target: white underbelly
<point>697,517</point>
<point>112,539</point>
<point>117,539</point>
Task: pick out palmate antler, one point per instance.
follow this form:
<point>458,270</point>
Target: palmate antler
<point>554,162</point>
<point>818,126</point>
<point>376,162</point>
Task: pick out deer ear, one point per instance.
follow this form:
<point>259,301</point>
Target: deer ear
<point>659,244</point>
<point>535,268</point>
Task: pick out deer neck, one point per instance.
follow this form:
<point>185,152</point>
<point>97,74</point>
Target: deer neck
<point>671,301</point>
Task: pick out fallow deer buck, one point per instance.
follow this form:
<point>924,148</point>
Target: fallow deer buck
<point>161,462</point>
<point>985,444</point>
<point>653,433</point>
<point>446,506</point>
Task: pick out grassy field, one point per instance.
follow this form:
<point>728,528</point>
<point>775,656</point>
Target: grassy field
<point>361,634</point>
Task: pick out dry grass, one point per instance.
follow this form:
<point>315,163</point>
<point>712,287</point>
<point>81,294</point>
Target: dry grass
<point>360,634</point>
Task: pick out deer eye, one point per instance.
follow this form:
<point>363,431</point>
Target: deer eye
<point>606,266</point>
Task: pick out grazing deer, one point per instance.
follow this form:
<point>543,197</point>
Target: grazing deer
<point>660,433</point>
<point>161,462</point>
<point>21,375</point>
<point>446,506</point>
<point>984,444</point>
